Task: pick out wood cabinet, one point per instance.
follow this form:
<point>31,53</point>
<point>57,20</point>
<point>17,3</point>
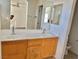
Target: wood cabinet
<point>14,50</point>
<point>34,49</point>
<point>34,52</point>
<point>16,56</point>
<point>49,47</point>
<point>29,49</point>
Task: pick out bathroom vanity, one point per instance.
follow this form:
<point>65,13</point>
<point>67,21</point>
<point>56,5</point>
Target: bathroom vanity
<point>27,45</point>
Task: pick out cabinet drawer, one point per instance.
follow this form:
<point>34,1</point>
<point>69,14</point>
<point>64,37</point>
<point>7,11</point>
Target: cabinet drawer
<point>11,48</point>
<point>36,42</point>
<point>19,56</point>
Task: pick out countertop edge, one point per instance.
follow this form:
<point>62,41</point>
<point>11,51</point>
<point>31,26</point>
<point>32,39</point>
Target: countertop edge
<point>22,39</point>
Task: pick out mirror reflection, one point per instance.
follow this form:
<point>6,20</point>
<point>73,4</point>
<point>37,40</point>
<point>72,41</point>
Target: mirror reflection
<point>47,14</point>
<point>57,11</point>
<point>31,14</point>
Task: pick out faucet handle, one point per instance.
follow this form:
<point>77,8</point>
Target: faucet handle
<point>44,30</point>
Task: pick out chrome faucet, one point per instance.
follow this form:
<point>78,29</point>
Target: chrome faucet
<point>44,31</point>
<point>13,30</point>
<point>12,24</point>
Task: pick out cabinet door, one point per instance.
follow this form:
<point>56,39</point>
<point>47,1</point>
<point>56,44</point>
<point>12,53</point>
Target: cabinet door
<point>8,48</point>
<point>21,47</point>
<point>14,47</point>
<point>49,47</point>
<point>19,56</point>
<point>34,52</point>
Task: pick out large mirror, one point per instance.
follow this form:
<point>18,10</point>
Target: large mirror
<point>31,14</point>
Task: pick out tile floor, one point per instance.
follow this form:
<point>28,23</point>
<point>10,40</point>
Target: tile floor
<point>71,56</point>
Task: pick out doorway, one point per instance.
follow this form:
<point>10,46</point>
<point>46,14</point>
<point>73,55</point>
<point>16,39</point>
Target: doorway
<point>39,17</point>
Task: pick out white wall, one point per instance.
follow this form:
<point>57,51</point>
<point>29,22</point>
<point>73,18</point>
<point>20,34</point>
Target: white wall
<point>73,36</point>
<point>5,4</point>
<point>5,7</point>
<point>20,13</point>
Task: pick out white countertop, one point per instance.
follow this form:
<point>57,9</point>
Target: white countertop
<point>5,35</point>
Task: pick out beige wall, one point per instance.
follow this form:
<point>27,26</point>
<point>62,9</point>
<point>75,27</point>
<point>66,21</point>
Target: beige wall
<point>73,36</point>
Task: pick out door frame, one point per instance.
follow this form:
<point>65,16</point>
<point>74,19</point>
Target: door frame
<point>69,27</point>
<point>40,7</point>
<point>62,30</point>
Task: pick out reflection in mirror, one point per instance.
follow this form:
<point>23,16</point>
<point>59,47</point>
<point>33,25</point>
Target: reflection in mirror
<point>4,13</point>
<point>40,10</point>
<point>28,14</point>
<point>56,11</point>
<point>19,9</point>
<point>47,14</point>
